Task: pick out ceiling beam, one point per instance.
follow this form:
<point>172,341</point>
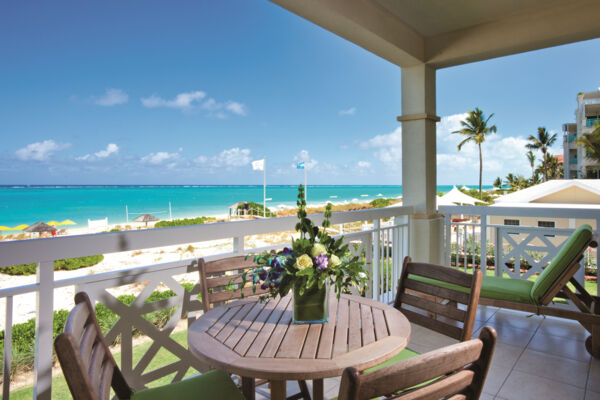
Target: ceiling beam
<point>366,24</point>
<point>557,24</point>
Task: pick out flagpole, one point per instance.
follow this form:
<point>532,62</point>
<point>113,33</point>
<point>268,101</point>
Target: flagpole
<point>305,187</point>
<point>265,187</point>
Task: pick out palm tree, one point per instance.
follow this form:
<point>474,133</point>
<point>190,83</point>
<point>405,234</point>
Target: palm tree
<point>591,144</point>
<point>475,128</point>
<point>531,159</point>
<point>498,183</point>
<point>553,168</point>
<point>542,142</point>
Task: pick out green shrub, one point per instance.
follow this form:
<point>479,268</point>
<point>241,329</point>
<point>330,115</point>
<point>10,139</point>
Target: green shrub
<point>23,334</point>
<point>183,222</point>
<point>256,209</point>
<point>380,203</point>
<point>68,264</point>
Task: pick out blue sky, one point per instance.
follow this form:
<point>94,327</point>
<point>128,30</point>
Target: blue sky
<point>150,92</point>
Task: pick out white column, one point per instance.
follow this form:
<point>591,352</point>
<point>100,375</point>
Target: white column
<point>419,178</point>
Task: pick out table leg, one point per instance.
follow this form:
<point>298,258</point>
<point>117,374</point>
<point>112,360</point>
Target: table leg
<point>318,389</point>
<point>278,391</point>
<point>248,388</point>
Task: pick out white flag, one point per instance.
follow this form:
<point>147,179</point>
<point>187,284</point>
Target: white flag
<point>258,165</point>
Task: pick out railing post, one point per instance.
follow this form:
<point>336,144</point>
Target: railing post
<point>8,317</point>
<point>497,251</point>
<point>376,257</point>
<point>448,241</point>
<point>42,385</point>
<point>483,237</point>
<point>368,246</point>
<point>238,245</point>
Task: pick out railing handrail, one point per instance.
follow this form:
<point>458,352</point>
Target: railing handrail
<point>49,249</point>
<point>519,211</point>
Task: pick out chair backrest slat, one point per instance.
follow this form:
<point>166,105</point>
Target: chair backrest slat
<point>458,370</point>
<point>220,280</point>
<point>84,356</point>
<point>439,298</point>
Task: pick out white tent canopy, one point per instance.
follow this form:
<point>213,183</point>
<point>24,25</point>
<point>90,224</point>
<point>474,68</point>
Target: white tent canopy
<point>455,196</point>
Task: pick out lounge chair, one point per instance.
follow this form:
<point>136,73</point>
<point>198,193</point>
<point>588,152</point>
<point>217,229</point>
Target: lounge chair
<point>535,297</point>
<point>453,372</point>
<point>91,370</point>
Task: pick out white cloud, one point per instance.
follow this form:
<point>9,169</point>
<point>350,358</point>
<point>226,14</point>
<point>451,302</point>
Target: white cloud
<point>387,147</point>
<point>197,101</point>
<point>40,151</point>
<point>303,155</point>
<point>160,157</point>
<point>181,101</point>
<point>228,158</point>
<point>234,157</point>
<point>110,149</point>
<point>350,111</point>
<point>112,97</point>
<point>363,164</point>
<point>236,108</point>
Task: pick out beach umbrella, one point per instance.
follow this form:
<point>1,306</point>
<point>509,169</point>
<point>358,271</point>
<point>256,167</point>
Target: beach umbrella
<point>5,228</point>
<point>53,223</point>
<point>19,227</point>
<point>146,218</point>
<point>455,196</point>
<point>39,227</point>
<point>67,222</point>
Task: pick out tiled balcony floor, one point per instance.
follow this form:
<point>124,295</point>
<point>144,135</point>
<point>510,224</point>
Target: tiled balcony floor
<point>535,358</point>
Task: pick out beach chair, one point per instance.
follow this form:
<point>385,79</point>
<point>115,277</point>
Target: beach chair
<point>453,372</point>
<point>216,280</point>
<point>91,370</point>
<point>535,297</point>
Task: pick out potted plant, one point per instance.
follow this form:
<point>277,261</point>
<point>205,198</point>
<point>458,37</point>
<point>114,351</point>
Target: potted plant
<point>315,262</point>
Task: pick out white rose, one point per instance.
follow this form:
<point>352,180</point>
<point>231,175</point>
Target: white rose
<point>317,250</point>
<point>334,260</point>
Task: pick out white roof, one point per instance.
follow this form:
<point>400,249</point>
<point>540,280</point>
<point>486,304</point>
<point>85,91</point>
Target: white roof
<point>547,188</point>
<point>455,196</point>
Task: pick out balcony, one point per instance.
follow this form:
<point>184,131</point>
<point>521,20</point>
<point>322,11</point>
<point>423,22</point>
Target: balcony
<point>573,160</point>
<point>528,344</point>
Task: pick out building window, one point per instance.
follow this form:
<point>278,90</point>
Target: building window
<point>512,222</point>
<point>547,224</point>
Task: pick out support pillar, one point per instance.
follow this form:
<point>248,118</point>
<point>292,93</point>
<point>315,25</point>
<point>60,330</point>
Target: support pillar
<point>419,176</point>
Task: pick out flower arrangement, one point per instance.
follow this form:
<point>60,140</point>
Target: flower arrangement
<point>315,260</point>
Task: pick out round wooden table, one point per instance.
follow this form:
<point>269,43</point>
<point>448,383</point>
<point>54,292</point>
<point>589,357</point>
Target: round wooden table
<point>259,340</point>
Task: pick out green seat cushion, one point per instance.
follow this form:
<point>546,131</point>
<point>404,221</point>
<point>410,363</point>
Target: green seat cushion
<point>403,355</point>
<point>210,385</point>
<point>572,247</point>
<point>518,290</point>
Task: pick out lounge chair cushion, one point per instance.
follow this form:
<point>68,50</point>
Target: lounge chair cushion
<point>518,290</point>
<point>573,246</point>
<point>210,385</point>
<point>403,355</point>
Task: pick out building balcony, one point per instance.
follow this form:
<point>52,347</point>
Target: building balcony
<point>536,357</point>
<point>573,160</point>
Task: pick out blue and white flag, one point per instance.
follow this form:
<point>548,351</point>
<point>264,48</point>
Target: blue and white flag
<point>300,165</point>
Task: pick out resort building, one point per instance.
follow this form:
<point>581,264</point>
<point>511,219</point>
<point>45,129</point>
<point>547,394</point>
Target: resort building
<point>563,193</point>
<point>587,115</point>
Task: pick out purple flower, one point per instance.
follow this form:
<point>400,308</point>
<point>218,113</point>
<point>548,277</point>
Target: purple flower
<point>262,274</point>
<point>275,263</point>
<point>322,261</point>
<point>286,251</point>
<point>264,286</point>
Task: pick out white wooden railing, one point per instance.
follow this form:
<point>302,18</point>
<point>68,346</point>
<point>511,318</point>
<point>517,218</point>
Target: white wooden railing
<point>471,242</point>
<point>383,241</point>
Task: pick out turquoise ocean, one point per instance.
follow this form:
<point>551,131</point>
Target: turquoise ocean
<point>29,204</point>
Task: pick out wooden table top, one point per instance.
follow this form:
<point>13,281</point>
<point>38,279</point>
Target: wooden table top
<point>259,340</point>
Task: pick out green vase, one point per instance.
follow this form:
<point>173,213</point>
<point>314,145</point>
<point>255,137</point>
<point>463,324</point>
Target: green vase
<point>310,307</point>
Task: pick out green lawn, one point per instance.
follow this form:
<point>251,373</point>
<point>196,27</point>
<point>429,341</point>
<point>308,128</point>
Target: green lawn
<point>60,390</point>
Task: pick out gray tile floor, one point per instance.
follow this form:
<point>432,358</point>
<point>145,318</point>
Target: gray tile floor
<point>535,358</point>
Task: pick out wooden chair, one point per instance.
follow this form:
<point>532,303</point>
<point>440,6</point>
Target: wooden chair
<point>216,280</point>
<point>453,372</point>
<point>422,299</point>
<point>425,303</point>
<point>91,370</point>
